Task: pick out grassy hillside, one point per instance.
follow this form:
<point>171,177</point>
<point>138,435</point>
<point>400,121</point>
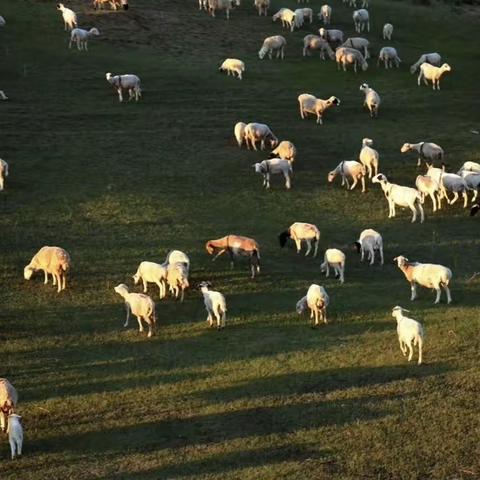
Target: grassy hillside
<point>115,184</point>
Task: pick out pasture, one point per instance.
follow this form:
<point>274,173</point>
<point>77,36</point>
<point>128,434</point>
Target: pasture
<point>115,184</point>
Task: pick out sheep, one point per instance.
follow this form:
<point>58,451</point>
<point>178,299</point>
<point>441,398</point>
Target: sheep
<point>427,275</point>
<point>335,259</point>
<point>262,6</point>
<point>226,5</point>
<point>274,166</point>
<point>369,241</point>
<point>401,196</point>
<point>100,3</point>
<point>259,132</point>
<point>287,17</point>
<point>239,132</point>
<point>325,14</point>
<point>81,37</point>
<point>285,150</point>
<point>177,279</point>
<point>358,43</point>
<point>432,73</point>
<point>307,13</point>
<point>128,82</point>
<point>429,186</point>
<point>349,168</point>
<point>299,18</point>
<point>470,167</point>
<point>449,181</point>
<point>350,56</point>
<point>361,20</point>
<point>387,31</point>
<point>3,96</point>
<point>372,100</point>
<point>369,157</point>
<point>431,58</point>
<point>335,37</point>
<point>389,56</point>
<point>426,151</point>
<point>232,66</point>
<point>276,43</point>
<point>3,173</point>
<point>8,401</point>
<point>140,305</point>
<point>52,260</point>
<point>15,435</point>
<point>314,42</point>
<point>150,272</point>
<point>311,104</point>
<point>215,305</point>
<point>299,232</point>
<point>472,179</point>
<point>317,300</point>
<point>410,333</point>
<point>69,17</point>
<point>177,256</point>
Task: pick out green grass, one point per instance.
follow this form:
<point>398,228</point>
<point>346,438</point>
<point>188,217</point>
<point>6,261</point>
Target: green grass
<point>114,184</point>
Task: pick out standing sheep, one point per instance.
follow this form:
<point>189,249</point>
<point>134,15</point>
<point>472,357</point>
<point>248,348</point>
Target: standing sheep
<point>232,66</point>
<point>69,17</point>
<point>432,73</point>
<point>128,82</point>
<point>372,100</point>
<point>361,20</point>
<point>227,5</point>
<point>287,17</point>
<point>80,37</point>
<point>262,6</point>
<point>215,305</point>
<point>369,241</point>
<point>272,167</point>
<point>349,168</point>
<point>314,42</point>
<point>317,300</point>
<point>311,104</point>
<point>177,279</point>
<point>387,31</point>
<point>428,186</point>
<point>334,37</point>
<point>335,259</point>
<point>150,272</point>
<point>3,173</point>
<point>325,14</point>
<point>369,157</point>
<point>8,401</point>
<point>259,132</point>
<point>410,333</point>
<point>273,44</point>
<point>427,151</point>
<point>350,56</point>
<point>389,56</point>
<point>299,232</point>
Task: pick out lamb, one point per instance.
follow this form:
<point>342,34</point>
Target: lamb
<point>226,5</point>
<point>387,31</point>
<point>273,44</point>
<point>401,196</point>
<point>335,259</point>
<point>15,435</point>
<point>317,300</point>
<point>81,37</point>
<point>427,275</point>
<point>431,58</point>
<point>335,37</point>
<point>232,66</point>
<point>325,14</point>
<point>426,151</point>
<point>369,241</point>
<point>287,17</point>
<point>472,179</point>
<point>311,104</point>
<point>350,56</point>
<point>52,260</point>
<point>389,56</point>
<point>449,181</point>
<point>369,157</point>
<point>259,132</point>
<point>128,82</point>
<point>285,150</point>
<point>410,333</point>
<point>140,305</point>
<point>150,272</point>
<point>470,167</point>
<point>299,232</point>
<point>215,305</point>
<point>177,256</point>
<point>432,73</point>
<point>429,186</point>
<point>8,401</point>
<point>361,20</point>
<point>349,168</point>
<point>239,132</point>
<point>3,173</point>
<point>372,100</point>
<point>262,6</point>
<point>314,42</point>
<point>69,17</point>
<point>275,166</point>
<point>358,43</point>
<point>177,279</point>
<point>299,18</point>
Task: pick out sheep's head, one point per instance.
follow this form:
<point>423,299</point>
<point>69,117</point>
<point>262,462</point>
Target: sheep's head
<point>301,305</point>
<point>60,6</point>
<point>204,285</point>
<point>261,53</point>
<point>397,311</point>
<point>28,271</point>
<point>333,101</point>
<point>323,267</point>
<point>379,178</point>
<point>364,65</point>
<point>367,142</point>
<point>331,176</point>
<point>276,16</point>
<point>406,147</point>
<point>446,67</point>
<point>121,289</point>
<point>322,32</point>
<point>94,31</point>
<point>273,142</point>
<point>364,86</point>
<point>259,168</point>
<point>108,76</point>
<point>136,278</point>
<point>282,238</point>
<point>401,260</point>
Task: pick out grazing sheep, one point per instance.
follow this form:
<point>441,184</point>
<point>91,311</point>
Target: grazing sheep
<point>275,166</point>
<point>287,17</point>
<point>426,151</point>
<point>177,279</point>
<point>335,259</point>
<point>239,132</point>
<point>410,333</point>
<point>429,186</point>
<point>140,305</point>
<point>369,241</point>
<point>427,275</point>
<point>273,44</point>
<point>317,300</point>
<point>285,150</point>
<point>215,305</point>
<point>358,43</point>
<point>80,37</point>
<point>177,256</point>
<point>349,168</point>
<point>449,181</point>
<point>69,17</point>
<point>470,167</point>
<point>332,36</point>
<point>314,42</point>
<point>472,179</point>
<point>299,232</point>
<point>299,18</point>
<point>401,196</point>
<point>389,56</point>
<point>387,31</point>
<point>432,73</point>
<point>311,104</point>
<point>361,20</point>
<point>128,82</point>
<point>100,3</point>
<point>232,66</point>
<point>227,5</point>
<point>431,58</point>
<point>52,260</point>
<point>262,6</point>
<point>325,14</point>
<point>350,56</point>
<point>372,100</point>
<point>369,157</point>
<point>8,401</point>
<point>3,173</point>
<point>259,132</point>
<point>150,272</point>
<point>15,435</point>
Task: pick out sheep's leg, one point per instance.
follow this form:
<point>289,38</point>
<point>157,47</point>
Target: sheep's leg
<point>287,181</point>
<point>372,257</point>
<point>327,270</point>
<point>447,291</point>
<point>455,198</point>
<point>64,277</point>
<point>355,181</point>
<point>301,112</point>
<point>309,246</point>
<point>410,350</point>
<point>182,294</point>
<point>267,180</point>
<point>46,277</point>
<point>363,184</point>
<point>298,244</point>
<point>316,248</point>
<point>414,291</point>
<point>221,252</point>
<point>439,294</point>
<point>128,315</point>
<point>120,95</point>
<point>422,214</point>
<point>140,325</point>
<point>465,199</point>
<point>420,76</point>
<point>434,203</point>
<point>414,211</point>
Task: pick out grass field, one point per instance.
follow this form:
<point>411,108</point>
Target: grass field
<point>115,184</point>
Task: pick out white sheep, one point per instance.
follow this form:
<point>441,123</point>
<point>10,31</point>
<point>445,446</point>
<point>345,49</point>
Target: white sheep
<point>432,73</point>
<point>215,305</point>
<point>350,56</point>
<point>426,151</point>
<point>150,272</point>
<point>433,58</point>
<point>410,333</point>
<point>311,104</point>
<point>335,37</point>
<point>349,168</point>
<point>335,259</point>
<point>369,241</point>
<point>401,196</point>
<point>177,256</point>
<point>239,132</point>
<point>262,6</point>
<point>51,260</point>
<point>177,279</point>
<point>299,18</point>
<point>285,150</point>
<point>69,17</point>
<point>472,179</point>
<point>428,275</point>
<point>387,31</point>
<point>128,82</point>
<point>140,305</point>
<point>259,132</point>
<point>114,4</point>
<point>274,44</point>
<point>232,66</point>
<point>469,167</point>
<point>227,5</point>
<point>300,231</point>
<point>449,181</point>
<point>372,100</point>
<point>325,14</point>
<point>369,157</point>
<point>275,166</point>
<point>15,435</point>
<point>8,401</point>
<point>80,37</point>
<point>307,13</point>
<point>287,17</point>
<point>3,173</point>
<point>361,20</point>
<point>314,42</point>
<point>358,43</point>
<point>429,186</point>
<point>317,300</point>
<point>389,57</point>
